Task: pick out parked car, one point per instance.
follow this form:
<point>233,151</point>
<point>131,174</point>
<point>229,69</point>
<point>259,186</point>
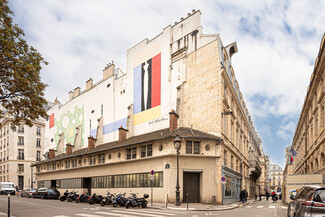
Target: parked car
<point>7,188</point>
<point>309,201</point>
<point>45,193</point>
<point>28,192</point>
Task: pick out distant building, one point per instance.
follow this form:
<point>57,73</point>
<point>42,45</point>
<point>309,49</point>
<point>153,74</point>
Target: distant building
<point>19,150</point>
<point>276,178</point>
<point>180,83</point>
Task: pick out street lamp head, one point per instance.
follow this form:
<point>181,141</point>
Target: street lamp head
<point>177,143</point>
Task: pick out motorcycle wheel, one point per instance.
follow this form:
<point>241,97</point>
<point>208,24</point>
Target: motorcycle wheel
<point>103,203</point>
<point>144,205</point>
<point>127,205</point>
<point>69,199</point>
<point>91,202</point>
<point>115,204</point>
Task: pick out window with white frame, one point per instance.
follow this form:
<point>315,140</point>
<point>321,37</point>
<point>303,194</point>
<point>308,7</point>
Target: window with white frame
<point>192,147</point>
<point>146,150</point>
<point>38,143</point>
<point>38,131</point>
<point>101,158</point>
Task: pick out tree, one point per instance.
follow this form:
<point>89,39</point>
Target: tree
<point>21,88</point>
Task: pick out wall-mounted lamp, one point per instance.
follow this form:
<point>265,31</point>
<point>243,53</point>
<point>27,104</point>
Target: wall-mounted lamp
<point>228,112</point>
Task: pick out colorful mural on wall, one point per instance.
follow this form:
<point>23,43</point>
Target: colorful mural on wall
<point>111,127</point>
<point>67,124</point>
<point>147,90</point>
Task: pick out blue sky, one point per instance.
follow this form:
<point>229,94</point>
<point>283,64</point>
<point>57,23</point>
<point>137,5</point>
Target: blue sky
<point>278,42</point>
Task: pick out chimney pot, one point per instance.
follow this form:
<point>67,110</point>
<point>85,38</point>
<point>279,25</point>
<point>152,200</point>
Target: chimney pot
<point>193,11</point>
<point>122,134</point>
<point>175,23</point>
<point>89,83</point>
<point>173,117</point>
<point>68,148</point>
<point>188,14</point>
<point>76,92</point>
<point>51,153</point>
<point>70,95</point>
<point>182,18</point>
<point>91,142</point>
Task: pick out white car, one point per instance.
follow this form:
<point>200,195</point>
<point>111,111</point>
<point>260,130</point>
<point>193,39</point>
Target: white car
<point>7,188</point>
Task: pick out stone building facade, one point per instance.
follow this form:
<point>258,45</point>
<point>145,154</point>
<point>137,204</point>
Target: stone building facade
<point>182,74</point>
<point>19,150</point>
<point>309,136</point>
<point>276,178</point>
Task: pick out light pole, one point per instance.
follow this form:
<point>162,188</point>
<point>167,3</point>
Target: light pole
<point>177,145</point>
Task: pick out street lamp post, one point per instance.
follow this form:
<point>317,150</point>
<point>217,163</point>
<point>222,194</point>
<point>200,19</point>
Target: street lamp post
<point>177,145</point>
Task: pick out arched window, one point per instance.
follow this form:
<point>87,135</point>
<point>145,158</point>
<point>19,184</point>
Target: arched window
<point>311,167</point>
<point>316,164</point>
<point>322,160</point>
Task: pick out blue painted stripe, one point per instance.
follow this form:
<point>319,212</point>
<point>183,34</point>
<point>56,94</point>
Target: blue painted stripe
<point>93,133</point>
<point>112,127</point>
<point>137,89</point>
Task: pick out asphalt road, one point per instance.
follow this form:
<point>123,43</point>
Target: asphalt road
<point>28,207</point>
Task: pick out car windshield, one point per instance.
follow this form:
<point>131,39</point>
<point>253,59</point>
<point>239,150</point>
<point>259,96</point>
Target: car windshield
<point>32,190</point>
<point>7,185</point>
<point>52,190</point>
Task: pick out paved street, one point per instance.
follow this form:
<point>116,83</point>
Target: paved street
<point>25,207</point>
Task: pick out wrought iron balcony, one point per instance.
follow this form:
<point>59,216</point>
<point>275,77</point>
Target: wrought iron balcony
<point>20,157</point>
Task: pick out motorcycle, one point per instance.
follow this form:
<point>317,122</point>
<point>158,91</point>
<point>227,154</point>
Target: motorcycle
<point>108,199</point>
<point>134,201</point>
<point>82,198</point>
<point>64,196</point>
<point>120,200</point>
<point>274,197</point>
<point>72,196</point>
<point>95,199</point>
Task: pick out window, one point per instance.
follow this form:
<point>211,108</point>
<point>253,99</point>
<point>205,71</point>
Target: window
<point>74,163</point>
<point>323,116</point>
<point>192,147</point>
<point>92,159</point>
<point>146,150</point>
<point>53,166</point>
<point>48,167</point>
<point>20,140</point>
<point>38,143</point>
<point>38,131</point>
<point>101,158</point>
<point>20,154</point>
<point>131,153</point>
<point>20,167</point>
<point>67,164</point>
<point>228,186</point>
<point>232,162</point>
<point>320,196</point>
<point>225,158</point>
<point>38,155</point>
<point>316,125</point>
<point>21,129</point>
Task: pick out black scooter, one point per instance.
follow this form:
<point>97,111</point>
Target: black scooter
<point>108,199</point>
<point>64,196</point>
<point>82,198</point>
<point>120,200</point>
<point>134,201</point>
<point>72,196</point>
<point>95,199</point>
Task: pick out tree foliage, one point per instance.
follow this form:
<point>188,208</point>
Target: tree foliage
<point>21,88</point>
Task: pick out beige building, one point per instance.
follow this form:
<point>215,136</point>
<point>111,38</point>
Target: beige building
<point>19,150</point>
<point>193,93</point>
<point>276,178</point>
<point>310,131</point>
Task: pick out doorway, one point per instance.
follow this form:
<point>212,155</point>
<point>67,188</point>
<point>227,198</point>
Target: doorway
<point>191,185</point>
<point>21,182</point>
<point>86,185</point>
<point>53,183</point>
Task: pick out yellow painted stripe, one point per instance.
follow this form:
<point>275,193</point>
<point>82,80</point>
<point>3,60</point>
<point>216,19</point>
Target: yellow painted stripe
<point>147,115</point>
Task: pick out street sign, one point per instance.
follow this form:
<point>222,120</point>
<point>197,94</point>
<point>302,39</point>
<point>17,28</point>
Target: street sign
<point>152,172</point>
<point>223,180</point>
<point>152,178</point>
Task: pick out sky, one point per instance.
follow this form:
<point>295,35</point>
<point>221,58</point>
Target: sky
<point>278,42</point>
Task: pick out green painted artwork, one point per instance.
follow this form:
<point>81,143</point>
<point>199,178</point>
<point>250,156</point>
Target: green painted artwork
<point>67,124</point>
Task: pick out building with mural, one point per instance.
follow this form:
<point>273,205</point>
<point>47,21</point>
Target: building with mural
<point>179,84</point>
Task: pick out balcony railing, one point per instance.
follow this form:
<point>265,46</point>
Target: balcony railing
<point>20,157</point>
<point>38,159</point>
<point>20,171</point>
<point>20,143</point>
<point>20,131</point>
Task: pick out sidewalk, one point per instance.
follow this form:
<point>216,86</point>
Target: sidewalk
<point>200,206</point>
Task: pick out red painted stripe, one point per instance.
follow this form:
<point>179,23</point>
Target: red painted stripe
<point>51,121</point>
<point>156,80</point>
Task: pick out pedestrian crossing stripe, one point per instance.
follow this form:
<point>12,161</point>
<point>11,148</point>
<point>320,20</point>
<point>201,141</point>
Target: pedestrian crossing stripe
<point>165,213</point>
<point>259,207</point>
<point>114,214</point>
<point>143,214</point>
<point>273,207</point>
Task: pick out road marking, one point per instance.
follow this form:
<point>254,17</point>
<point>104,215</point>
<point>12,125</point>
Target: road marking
<point>143,214</point>
<point>115,214</point>
<point>273,207</point>
<point>60,216</point>
<point>284,207</point>
<point>259,207</point>
<point>88,215</point>
<point>146,211</point>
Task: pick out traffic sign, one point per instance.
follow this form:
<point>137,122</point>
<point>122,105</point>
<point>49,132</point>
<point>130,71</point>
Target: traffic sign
<point>152,172</point>
<point>223,179</point>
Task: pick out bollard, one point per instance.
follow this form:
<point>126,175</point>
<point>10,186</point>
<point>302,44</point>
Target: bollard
<point>8,205</point>
<point>166,200</point>
<point>187,200</point>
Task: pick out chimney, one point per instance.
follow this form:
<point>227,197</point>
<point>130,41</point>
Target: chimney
<point>56,101</point>
<point>193,11</point>
<point>108,71</point>
<point>51,153</point>
<point>122,134</point>
<point>68,148</point>
<point>70,95</point>
<point>89,84</point>
<point>91,142</point>
<point>76,92</point>
<point>173,117</point>
<point>188,14</point>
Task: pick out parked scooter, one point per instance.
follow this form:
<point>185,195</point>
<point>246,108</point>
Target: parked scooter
<point>120,200</point>
<point>82,198</point>
<point>64,196</point>
<point>72,196</point>
<point>108,199</point>
<point>95,199</point>
<point>134,201</point>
